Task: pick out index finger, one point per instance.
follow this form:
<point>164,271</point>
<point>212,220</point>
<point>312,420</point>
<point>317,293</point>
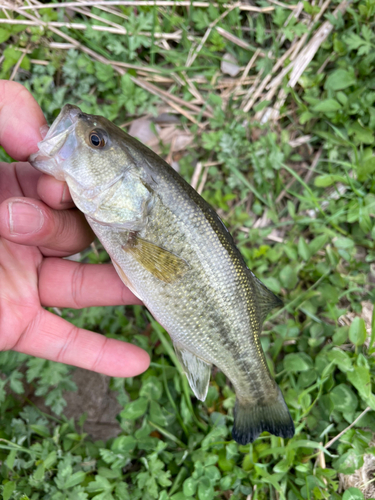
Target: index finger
<point>20,120</point>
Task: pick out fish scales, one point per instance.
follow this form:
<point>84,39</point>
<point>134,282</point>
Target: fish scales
<point>173,251</point>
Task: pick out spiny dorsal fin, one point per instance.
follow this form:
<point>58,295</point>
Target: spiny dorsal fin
<point>267,300</point>
<point>198,372</point>
<point>161,263</point>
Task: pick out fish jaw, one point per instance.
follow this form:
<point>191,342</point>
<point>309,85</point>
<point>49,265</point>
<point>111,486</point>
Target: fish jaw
<point>59,143</point>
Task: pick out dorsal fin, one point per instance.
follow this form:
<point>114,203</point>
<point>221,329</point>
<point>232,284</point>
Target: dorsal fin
<point>266,300</point>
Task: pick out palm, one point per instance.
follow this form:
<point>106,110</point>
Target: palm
<point>19,297</point>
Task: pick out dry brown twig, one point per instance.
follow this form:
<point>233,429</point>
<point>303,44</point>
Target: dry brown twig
<point>195,53</point>
<point>333,440</point>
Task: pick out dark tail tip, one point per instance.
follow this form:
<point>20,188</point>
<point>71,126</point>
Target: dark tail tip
<point>251,420</point>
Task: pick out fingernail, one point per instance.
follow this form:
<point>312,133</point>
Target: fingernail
<point>43,130</point>
<point>66,194</point>
<point>24,217</point>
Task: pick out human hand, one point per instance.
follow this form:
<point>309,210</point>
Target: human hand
<point>38,226</point>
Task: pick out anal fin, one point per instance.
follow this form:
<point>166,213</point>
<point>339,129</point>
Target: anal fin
<point>198,372</point>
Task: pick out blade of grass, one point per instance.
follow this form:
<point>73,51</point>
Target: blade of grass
<point>167,434</point>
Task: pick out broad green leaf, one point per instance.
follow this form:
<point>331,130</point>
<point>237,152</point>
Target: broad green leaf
<point>317,243</point>
<point>179,496</point>
<point>343,242</point>
<point>135,409</point>
<point>100,484</point>
<point>123,444</point>
<point>50,460</point>
<point>303,249</point>
<point>340,79</point>
<point>341,359</point>
<point>344,399</point>
<point>272,283</point>
<point>329,179</point>
<point>348,462</point>
<point>360,378</point>
<point>9,487</point>
<point>361,134</point>
<point>297,362</point>
<point>39,472</point>
<point>205,489</point>
<point>42,430</point>
<point>9,462</point>
<point>289,277</point>
<point>76,478</point>
<point>152,388</point>
<point>353,494</point>
<point>357,331</point>
<point>190,487</point>
<point>4,35</point>
<point>372,339</point>
<point>213,474</point>
<point>366,169</point>
<point>15,382</point>
<point>327,106</point>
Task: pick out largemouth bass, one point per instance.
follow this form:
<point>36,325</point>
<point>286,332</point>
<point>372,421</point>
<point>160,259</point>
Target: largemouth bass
<point>172,250</point>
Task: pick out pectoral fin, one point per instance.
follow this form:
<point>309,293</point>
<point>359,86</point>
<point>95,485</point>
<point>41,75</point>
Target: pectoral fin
<point>198,372</point>
<point>159,262</point>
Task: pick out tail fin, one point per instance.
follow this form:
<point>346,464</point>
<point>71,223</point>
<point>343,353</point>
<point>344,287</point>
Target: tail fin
<point>250,421</point>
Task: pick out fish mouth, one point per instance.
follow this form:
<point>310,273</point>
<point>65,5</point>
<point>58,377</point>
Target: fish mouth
<point>59,143</point>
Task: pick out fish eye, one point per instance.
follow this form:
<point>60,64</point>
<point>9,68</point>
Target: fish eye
<point>97,139</point>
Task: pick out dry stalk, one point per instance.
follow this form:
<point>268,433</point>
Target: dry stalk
<point>86,12</point>
<point>313,165</point>
<point>196,174</point>
<point>203,180</point>
<point>307,54</point>
<point>234,39</point>
<point>18,64</point>
<point>251,89</point>
<point>257,93</point>
<point>157,3</point>
<point>249,66</point>
<point>333,440</point>
<point>115,11</point>
<point>95,27</point>
<point>194,55</point>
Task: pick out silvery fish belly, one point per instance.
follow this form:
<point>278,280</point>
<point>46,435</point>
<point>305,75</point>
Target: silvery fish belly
<point>172,250</point>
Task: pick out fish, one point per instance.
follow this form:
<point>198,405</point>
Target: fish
<point>171,249</point>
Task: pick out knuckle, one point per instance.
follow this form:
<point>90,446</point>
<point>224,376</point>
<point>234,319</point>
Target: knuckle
<point>68,345</point>
<point>96,364</point>
<point>78,280</point>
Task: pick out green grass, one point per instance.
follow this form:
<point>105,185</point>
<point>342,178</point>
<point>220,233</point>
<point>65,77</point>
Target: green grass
<point>302,214</point>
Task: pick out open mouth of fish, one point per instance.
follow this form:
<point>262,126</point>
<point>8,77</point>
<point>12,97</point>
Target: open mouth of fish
<point>58,144</point>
